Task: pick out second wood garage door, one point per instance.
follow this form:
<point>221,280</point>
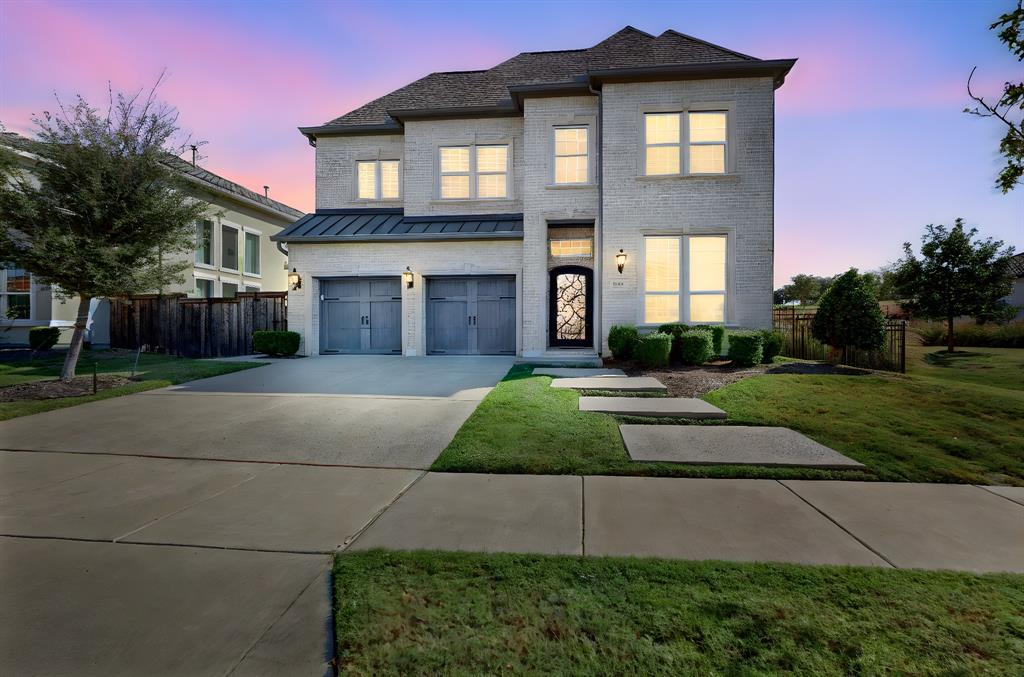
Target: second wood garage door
<point>471,315</point>
<point>361,315</point>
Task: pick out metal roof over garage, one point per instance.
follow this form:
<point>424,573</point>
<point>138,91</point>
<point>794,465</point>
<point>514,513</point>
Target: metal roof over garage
<point>375,225</point>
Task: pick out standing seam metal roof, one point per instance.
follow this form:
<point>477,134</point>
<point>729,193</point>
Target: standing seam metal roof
<point>369,225</point>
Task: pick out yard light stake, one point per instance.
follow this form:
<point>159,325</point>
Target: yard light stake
<point>294,280</point>
<point>407,277</point>
<point>620,260</point>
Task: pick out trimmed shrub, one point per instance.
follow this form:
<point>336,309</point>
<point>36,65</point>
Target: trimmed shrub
<point>771,344</point>
<point>746,348</point>
<point>694,347</point>
<point>622,339</point>
<point>43,338</point>
<point>848,315</point>
<point>717,336</point>
<point>275,342</point>
<point>675,330</point>
<point>652,350</point>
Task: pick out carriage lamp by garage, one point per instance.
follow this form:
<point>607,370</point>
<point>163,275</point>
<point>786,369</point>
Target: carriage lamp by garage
<point>620,260</point>
<point>294,280</point>
<point>407,277</point>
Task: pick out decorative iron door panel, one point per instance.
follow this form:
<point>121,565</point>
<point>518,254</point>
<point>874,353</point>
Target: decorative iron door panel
<point>570,320</point>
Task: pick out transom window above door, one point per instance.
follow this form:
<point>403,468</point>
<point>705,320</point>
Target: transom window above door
<point>477,172</point>
<point>685,279</point>
<point>378,179</point>
<point>695,142</point>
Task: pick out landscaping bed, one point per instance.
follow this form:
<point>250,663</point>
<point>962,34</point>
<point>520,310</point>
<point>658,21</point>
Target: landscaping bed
<point>52,389</point>
<point>462,613</point>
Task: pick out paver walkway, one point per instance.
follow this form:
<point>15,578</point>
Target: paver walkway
<point>570,372</point>
<point>634,384</point>
<point>662,407</point>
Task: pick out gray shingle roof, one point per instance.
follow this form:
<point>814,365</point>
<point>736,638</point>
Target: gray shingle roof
<point>370,225</point>
<point>628,48</point>
<point>198,174</point>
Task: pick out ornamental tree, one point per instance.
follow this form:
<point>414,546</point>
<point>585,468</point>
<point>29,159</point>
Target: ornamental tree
<point>848,315</point>
<point>104,215</point>
<point>955,276</point>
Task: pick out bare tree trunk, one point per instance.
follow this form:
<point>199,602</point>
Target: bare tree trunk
<point>77,339</point>
<point>949,334</point>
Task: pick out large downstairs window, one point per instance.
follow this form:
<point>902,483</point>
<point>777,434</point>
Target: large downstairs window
<point>473,172</point>
<point>685,279</point>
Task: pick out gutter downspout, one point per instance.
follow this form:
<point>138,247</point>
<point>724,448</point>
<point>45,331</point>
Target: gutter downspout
<point>599,229</point>
<point>281,247</point>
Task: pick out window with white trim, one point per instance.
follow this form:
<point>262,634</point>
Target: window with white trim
<point>685,279</point>
<point>15,293</point>
<point>204,288</point>
<point>252,254</point>
<point>572,160</point>
<point>228,290</point>
<point>228,247</point>
<point>378,179</point>
<point>704,138</point>
<point>204,242</point>
<point>477,172</point>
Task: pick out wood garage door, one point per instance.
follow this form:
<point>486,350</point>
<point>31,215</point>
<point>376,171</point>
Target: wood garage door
<point>361,315</point>
<point>471,315</point>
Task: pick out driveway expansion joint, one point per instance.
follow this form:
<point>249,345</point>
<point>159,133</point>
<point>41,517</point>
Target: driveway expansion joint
<point>351,539</point>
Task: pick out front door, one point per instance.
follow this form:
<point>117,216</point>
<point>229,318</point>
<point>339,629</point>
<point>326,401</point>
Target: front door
<point>361,315</point>
<point>570,320</point>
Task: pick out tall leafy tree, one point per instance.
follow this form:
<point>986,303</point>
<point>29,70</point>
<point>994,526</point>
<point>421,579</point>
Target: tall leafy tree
<point>806,288</point>
<point>105,216</point>
<point>956,275</point>
<point>1009,107</point>
<point>848,315</point>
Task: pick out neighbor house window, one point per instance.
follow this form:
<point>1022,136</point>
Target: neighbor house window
<point>577,247</point>
<point>15,293</point>
<point>707,142</point>
<point>252,254</point>
<point>204,288</point>
<point>250,288</point>
<point>474,172</point>
<point>661,139</point>
<point>571,155</point>
<point>378,179</point>
<point>685,279</point>
<point>228,290</point>
<point>229,247</point>
<point>204,242</point>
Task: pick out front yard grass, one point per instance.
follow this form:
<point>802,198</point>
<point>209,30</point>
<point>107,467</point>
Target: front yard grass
<point>463,613</point>
<point>154,371</point>
<point>958,419</point>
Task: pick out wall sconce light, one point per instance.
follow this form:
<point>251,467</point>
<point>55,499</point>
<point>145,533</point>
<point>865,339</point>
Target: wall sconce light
<point>407,277</point>
<point>294,280</point>
<point>620,260</point>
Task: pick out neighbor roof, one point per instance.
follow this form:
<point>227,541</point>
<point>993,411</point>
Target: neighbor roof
<point>627,54</point>
<point>1017,265</point>
<point>197,174</point>
<point>371,225</point>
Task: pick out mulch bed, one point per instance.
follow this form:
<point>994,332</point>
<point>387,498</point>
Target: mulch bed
<point>48,390</point>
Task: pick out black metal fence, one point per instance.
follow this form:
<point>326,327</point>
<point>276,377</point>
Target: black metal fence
<point>178,325</point>
<point>798,343</point>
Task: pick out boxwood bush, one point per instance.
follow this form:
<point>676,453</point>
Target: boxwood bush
<point>43,338</point>
<point>746,348</point>
<point>677,330</point>
<point>717,336</point>
<point>622,339</point>
<point>695,346</point>
<point>771,344</point>
<point>652,350</point>
<point>275,342</point>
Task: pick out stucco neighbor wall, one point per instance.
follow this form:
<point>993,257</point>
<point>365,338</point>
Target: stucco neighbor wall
<point>739,204</point>
<point>369,259</point>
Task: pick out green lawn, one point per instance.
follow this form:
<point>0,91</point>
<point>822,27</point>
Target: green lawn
<point>462,613</point>
<point>154,371</point>
<point>957,419</point>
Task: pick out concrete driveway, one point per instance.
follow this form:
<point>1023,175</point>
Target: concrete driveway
<point>360,410</point>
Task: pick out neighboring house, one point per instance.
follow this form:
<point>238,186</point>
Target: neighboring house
<point>1016,297</point>
<point>234,253</point>
<point>527,208</point>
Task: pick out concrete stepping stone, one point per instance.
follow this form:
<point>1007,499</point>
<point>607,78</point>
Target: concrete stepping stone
<point>730,445</point>
<point>626,384</point>
<point>677,407</point>
<point>571,372</point>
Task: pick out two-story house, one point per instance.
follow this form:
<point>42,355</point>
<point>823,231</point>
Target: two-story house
<point>527,208</point>
<point>233,253</point>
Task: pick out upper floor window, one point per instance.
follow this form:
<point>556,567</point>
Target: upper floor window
<point>704,138</point>
<point>474,172</point>
<point>252,254</point>
<point>15,293</point>
<point>684,279</point>
<point>571,155</point>
<point>228,247</point>
<point>204,242</point>
<point>378,179</point>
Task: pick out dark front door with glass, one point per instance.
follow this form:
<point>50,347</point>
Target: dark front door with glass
<point>570,321</point>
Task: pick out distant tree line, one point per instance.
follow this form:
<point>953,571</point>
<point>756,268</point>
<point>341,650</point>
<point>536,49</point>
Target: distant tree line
<point>807,290</point>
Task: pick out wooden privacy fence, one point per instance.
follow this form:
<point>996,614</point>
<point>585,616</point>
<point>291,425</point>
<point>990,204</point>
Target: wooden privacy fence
<point>190,327</point>
<point>798,343</point>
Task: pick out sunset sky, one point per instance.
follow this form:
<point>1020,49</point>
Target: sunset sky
<point>871,143</point>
